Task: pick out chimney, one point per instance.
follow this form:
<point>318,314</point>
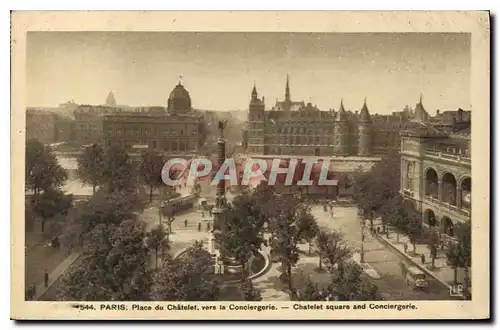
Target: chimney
<point>263,99</point>
<point>437,112</point>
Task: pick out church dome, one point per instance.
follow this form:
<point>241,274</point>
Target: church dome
<point>179,99</point>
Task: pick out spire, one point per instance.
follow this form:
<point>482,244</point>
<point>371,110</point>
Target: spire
<point>421,95</point>
<point>254,92</point>
<point>287,89</point>
<point>341,114</point>
<point>364,115</point>
<point>180,80</point>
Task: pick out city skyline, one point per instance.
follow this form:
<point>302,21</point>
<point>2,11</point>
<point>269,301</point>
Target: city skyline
<point>142,68</point>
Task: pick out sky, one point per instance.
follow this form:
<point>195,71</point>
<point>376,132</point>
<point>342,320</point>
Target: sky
<point>219,69</point>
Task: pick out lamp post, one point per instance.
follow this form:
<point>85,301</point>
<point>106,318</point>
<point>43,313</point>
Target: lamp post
<point>362,252</point>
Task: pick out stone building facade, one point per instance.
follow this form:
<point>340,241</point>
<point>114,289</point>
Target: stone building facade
<point>297,128</point>
<point>40,125</point>
<point>436,174</point>
<point>172,130</point>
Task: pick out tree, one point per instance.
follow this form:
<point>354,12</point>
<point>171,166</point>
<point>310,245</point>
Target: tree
<point>463,232</point>
<point>113,266</point>
<point>310,228</point>
<point>118,172</point>
<point>454,259</point>
<point>458,253</point>
<point>157,240</point>
<point>150,169</point>
<point>433,241</point>
<point>349,284</point>
<point>373,190</point>
<point>190,277</point>
<point>288,229</point>
<point>248,292</point>
<point>240,235</point>
<point>333,249</point>
<point>91,165</point>
<point>309,291</point>
<point>42,171</point>
<point>414,228</point>
<point>398,211</point>
<point>51,203</point>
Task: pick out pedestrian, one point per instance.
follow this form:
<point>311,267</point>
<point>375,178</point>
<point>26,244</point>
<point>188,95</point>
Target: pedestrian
<point>406,247</point>
<point>442,245</point>
<point>422,257</point>
<point>199,226</point>
<point>46,279</point>
<point>185,222</point>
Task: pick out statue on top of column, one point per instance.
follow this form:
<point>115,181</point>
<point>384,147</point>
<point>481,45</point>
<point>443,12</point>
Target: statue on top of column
<point>222,126</point>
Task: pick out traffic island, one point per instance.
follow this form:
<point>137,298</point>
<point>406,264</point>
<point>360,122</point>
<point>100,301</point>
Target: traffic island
<point>367,269</point>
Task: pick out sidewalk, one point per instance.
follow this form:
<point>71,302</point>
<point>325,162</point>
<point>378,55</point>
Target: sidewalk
<point>441,272</point>
<point>55,274</point>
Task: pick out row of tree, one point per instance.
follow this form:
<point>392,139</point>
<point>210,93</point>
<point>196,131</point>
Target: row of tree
<point>289,221</point>
<point>113,168</point>
<point>44,179</point>
<point>377,194</point>
<point>98,167</point>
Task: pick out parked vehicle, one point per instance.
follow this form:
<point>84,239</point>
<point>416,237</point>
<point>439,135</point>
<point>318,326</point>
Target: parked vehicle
<point>414,277</point>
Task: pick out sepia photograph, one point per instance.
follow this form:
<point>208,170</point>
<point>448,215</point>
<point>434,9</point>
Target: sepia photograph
<point>280,172</point>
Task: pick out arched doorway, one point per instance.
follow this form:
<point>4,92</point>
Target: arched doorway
<point>431,183</point>
<point>448,228</point>
<point>449,189</point>
<point>430,218</point>
<point>466,193</point>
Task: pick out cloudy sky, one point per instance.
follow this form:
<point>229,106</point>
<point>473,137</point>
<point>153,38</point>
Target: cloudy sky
<point>219,69</point>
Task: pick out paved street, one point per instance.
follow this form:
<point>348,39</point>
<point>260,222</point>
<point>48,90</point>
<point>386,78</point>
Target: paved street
<point>384,261</point>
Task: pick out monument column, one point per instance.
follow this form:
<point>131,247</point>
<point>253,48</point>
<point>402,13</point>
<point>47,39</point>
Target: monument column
<point>220,199</point>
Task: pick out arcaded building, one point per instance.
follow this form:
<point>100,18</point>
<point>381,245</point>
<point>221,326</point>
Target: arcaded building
<point>436,172</point>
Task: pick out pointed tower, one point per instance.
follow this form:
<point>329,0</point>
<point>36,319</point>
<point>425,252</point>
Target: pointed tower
<point>287,103</point>
<point>256,123</point>
<point>110,100</point>
<point>287,89</point>
<point>254,93</point>
<point>420,114</point>
<point>365,131</point>
<point>341,132</point>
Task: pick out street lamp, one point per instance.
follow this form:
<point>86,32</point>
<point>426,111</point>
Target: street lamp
<point>362,252</point>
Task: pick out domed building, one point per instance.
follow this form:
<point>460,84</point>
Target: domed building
<point>179,100</point>
<point>172,131</point>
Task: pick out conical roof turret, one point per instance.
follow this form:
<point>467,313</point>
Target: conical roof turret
<point>341,114</point>
<point>364,115</point>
